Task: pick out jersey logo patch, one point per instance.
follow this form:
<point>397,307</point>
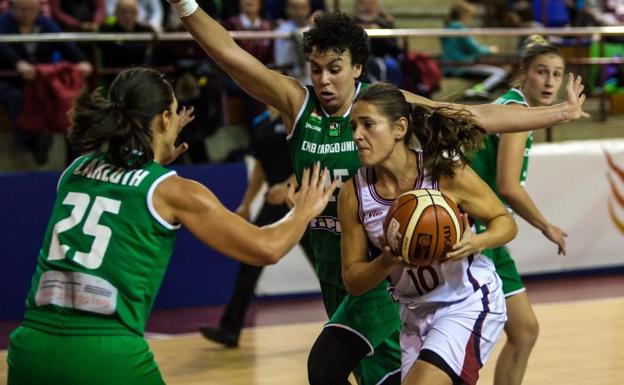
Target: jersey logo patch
<point>330,224</point>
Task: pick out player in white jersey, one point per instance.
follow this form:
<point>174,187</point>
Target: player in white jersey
<point>452,311</point>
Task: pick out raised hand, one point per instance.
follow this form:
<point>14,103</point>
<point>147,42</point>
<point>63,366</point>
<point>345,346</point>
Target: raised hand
<point>575,98</point>
<point>185,117</point>
<point>313,195</point>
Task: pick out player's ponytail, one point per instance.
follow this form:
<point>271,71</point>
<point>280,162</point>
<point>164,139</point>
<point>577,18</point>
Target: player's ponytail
<point>120,125</point>
<point>446,136</point>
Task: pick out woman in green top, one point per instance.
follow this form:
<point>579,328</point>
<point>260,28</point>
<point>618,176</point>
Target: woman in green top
<point>112,232</point>
<point>317,122</point>
<point>502,163</point>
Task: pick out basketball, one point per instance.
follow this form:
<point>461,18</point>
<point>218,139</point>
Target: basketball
<point>422,225</point>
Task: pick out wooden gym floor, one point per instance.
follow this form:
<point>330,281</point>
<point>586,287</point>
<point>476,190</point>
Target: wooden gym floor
<point>581,341</point>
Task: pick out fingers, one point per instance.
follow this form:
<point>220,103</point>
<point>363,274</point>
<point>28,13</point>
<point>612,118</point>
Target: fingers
<point>305,180</point>
<point>458,245</point>
<point>382,241</point>
<point>459,252</point>
<point>332,187</point>
<point>181,149</point>
<point>466,221</point>
<point>570,83</point>
<point>562,246</point>
<point>315,180</point>
<point>578,82</point>
<point>290,195</point>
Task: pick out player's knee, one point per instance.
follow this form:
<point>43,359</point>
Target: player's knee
<point>323,372</point>
<point>524,336</point>
<point>335,353</point>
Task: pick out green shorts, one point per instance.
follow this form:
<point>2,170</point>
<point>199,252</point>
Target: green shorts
<point>506,270</point>
<point>375,318</point>
<point>332,297</point>
<point>36,357</point>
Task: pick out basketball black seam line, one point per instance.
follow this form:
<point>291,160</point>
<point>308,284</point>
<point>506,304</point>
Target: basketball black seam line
<point>435,210</point>
<point>409,247</point>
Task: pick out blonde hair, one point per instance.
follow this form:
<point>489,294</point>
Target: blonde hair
<point>460,8</point>
<point>533,47</point>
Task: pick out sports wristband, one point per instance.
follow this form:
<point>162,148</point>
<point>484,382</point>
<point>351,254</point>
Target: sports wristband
<point>184,8</point>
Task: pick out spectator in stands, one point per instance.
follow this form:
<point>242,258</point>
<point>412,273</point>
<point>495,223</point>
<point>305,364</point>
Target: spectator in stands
<point>465,49</point>
<point>44,7</point>
<point>240,105</point>
<point>552,13</point>
<point>383,64</point>
<point>24,18</point>
<point>78,16</point>
<point>276,9</point>
<point>602,13</point>
<point>120,54</point>
<point>289,52</point>
<point>149,12</point>
<point>370,11</point>
<point>250,19</point>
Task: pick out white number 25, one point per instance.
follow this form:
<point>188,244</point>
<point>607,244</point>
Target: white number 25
<point>93,259</point>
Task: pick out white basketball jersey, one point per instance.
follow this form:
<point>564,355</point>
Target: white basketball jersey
<point>449,281</point>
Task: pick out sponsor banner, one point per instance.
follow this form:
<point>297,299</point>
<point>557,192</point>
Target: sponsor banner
<point>578,186</point>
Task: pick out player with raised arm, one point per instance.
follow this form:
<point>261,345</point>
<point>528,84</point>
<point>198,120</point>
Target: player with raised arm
<point>503,164</point>
<point>316,118</point>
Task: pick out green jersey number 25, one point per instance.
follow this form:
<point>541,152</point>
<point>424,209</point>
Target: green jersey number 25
<point>102,234</point>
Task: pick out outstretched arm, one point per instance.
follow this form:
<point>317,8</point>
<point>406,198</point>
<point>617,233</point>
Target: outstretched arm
<point>180,200</point>
<point>508,170</point>
<point>497,118</point>
<point>270,87</point>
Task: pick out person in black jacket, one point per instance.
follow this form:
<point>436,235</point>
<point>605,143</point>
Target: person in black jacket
<point>273,166</point>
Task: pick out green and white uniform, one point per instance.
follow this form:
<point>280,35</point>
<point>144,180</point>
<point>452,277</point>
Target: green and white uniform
<point>485,164</point>
<point>102,261</point>
<point>317,136</point>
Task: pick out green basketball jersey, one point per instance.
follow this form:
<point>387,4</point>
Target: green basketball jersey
<point>485,160</point>
<point>328,139</point>
<point>105,251</point>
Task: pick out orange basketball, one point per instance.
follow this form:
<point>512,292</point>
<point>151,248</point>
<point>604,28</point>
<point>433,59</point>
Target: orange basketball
<point>422,225</point>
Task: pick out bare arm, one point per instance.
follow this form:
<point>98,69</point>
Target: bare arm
<point>358,274</point>
<point>497,118</point>
<point>270,87</point>
<point>479,201</point>
<point>509,166</point>
<point>256,181</point>
<point>180,200</point>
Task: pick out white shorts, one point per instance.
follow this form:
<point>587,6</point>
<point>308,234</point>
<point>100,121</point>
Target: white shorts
<point>460,335</point>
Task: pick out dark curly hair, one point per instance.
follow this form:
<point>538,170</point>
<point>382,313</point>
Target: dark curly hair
<point>447,136</point>
<point>335,31</point>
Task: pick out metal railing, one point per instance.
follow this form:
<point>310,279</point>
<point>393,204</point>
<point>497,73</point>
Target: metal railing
<point>594,32</point>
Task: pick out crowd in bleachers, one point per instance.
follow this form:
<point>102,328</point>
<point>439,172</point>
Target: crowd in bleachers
<point>198,81</point>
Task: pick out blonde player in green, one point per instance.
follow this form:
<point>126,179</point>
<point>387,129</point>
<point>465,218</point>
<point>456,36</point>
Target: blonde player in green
<point>503,163</point>
<point>361,335</point>
<point>112,232</point>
